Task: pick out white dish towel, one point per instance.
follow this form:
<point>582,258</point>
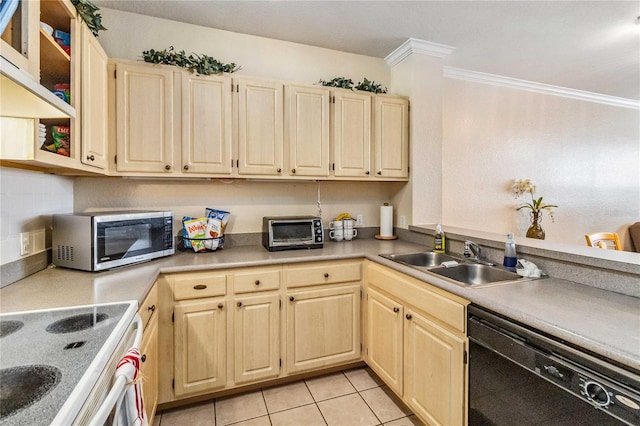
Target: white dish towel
<point>130,412</point>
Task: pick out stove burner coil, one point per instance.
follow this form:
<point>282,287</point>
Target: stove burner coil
<point>75,323</point>
<point>22,386</point>
<point>9,326</point>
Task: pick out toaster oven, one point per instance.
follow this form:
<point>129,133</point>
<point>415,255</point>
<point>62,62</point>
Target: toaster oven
<point>292,232</point>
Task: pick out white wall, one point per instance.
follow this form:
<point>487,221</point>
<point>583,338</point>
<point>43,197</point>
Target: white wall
<point>130,34</point>
<point>248,201</point>
<point>27,201</point>
<point>583,156</point>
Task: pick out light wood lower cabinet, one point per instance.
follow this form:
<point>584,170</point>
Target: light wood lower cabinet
<point>199,345</point>
<point>148,312</point>
<point>256,334</point>
<point>240,326</point>
<point>384,329</point>
<point>416,342</point>
<point>149,368</point>
<point>323,327</point>
<point>434,370</point>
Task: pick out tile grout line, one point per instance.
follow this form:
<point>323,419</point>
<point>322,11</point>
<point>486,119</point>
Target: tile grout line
<point>315,402</point>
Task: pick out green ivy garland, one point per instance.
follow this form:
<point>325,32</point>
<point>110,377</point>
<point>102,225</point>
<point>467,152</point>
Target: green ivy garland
<point>88,13</point>
<point>200,64</point>
<point>346,83</point>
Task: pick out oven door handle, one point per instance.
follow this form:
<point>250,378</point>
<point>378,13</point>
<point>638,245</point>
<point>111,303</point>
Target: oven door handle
<point>117,392</point>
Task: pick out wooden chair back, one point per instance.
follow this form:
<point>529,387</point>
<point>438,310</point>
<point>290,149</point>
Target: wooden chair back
<point>605,240</point>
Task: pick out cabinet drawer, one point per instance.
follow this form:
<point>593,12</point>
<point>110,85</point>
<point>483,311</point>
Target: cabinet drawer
<point>148,307</point>
<point>323,273</point>
<point>256,280</point>
<point>438,304</point>
<point>193,286</point>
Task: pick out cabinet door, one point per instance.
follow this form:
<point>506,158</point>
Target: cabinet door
<point>144,117</point>
<point>149,368</point>
<point>323,327</point>
<point>434,371</point>
<point>257,338</point>
<point>260,126</point>
<point>200,346</point>
<point>94,101</point>
<point>391,119</point>
<point>384,338</point>
<point>307,126</point>
<point>351,134</point>
<point>206,124</point>
<point>19,41</point>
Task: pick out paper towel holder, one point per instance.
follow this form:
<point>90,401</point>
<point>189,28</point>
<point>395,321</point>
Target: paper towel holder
<point>390,237</point>
<point>386,237</point>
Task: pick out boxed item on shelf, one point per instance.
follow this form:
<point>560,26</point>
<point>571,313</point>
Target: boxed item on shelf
<point>62,38</point>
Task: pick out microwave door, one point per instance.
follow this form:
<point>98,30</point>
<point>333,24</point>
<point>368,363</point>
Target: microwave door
<point>127,241</point>
<point>123,240</point>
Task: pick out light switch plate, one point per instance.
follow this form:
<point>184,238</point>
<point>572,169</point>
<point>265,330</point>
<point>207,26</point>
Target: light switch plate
<point>359,219</point>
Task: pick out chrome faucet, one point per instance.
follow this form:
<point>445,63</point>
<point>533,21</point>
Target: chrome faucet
<point>471,247</point>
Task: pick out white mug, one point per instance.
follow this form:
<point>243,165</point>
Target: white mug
<point>336,234</point>
<point>336,224</point>
<point>349,232</point>
<point>348,236</point>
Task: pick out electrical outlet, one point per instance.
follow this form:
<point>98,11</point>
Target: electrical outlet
<point>403,221</point>
<point>25,245</point>
<point>359,219</point>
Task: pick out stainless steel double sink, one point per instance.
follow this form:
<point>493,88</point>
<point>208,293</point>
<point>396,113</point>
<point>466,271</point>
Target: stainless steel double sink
<point>466,273</point>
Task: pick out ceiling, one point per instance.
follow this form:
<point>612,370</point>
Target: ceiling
<point>585,45</point>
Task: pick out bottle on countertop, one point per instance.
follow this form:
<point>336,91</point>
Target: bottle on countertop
<point>510,256</point>
<point>439,240</point>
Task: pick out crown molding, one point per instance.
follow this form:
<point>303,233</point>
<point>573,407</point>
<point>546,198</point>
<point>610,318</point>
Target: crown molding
<point>532,86</point>
<point>414,45</point>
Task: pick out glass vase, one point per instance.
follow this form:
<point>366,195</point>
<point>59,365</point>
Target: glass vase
<point>535,230</point>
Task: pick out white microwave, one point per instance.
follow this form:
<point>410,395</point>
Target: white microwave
<point>106,240</point>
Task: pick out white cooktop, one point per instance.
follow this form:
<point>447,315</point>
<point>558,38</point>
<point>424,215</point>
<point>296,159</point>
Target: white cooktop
<point>51,359</point>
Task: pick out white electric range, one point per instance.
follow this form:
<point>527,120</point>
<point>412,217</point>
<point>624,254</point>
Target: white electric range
<point>55,363</point>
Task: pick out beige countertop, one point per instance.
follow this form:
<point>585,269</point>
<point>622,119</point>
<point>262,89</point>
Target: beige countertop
<point>601,321</point>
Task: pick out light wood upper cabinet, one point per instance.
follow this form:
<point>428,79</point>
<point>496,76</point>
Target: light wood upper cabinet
<point>206,124</point>
<point>94,101</point>
<point>19,42</point>
<point>391,137</point>
<point>144,117</point>
<point>307,130</point>
<point>351,134</point>
<point>260,127</point>
<point>384,329</point>
<point>199,346</point>
<point>256,337</point>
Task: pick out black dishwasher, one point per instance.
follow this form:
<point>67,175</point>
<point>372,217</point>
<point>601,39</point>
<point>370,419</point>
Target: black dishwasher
<point>520,376</point>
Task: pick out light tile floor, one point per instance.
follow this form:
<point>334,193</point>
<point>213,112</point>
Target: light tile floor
<point>348,398</point>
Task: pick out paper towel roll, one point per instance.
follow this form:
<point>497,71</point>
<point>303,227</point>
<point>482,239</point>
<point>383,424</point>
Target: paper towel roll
<point>386,221</point>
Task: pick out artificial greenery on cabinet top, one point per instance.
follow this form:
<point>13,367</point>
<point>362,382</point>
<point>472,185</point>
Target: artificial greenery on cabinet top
<point>200,64</point>
<point>88,13</point>
<point>346,83</point>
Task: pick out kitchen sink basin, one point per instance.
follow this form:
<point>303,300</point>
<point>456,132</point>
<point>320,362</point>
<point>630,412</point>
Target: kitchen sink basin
<point>425,259</point>
<point>474,274</point>
<point>466,273</point>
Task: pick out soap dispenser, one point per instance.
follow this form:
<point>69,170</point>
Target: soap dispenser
<point>439,240</point>
<point>510,256</point>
